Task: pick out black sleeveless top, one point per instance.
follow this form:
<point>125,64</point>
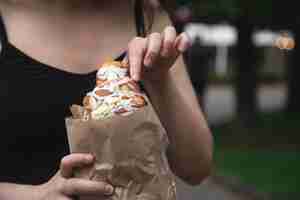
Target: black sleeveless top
<point>34,101</point>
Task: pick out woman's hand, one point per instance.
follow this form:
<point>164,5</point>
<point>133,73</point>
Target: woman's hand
<point>63,187</point>
<point>172,96</point>
<point>151,58</point>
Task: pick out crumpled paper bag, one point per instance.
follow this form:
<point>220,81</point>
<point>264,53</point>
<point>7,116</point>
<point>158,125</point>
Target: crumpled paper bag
<point>130,154</point>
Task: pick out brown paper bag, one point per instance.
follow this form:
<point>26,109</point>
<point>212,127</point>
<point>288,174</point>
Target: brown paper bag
<point>130,154</point>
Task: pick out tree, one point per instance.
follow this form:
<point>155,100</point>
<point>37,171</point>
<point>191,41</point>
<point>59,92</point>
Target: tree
<point>245,16</point>
<point>197,59</point>
<point>246,72</point>
<point>291,20</point>
<point>293,100</point>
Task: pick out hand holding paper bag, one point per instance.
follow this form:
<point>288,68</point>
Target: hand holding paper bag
<point>119,126</point>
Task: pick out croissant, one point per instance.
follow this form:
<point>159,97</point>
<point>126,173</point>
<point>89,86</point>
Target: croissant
<point>115,93</point>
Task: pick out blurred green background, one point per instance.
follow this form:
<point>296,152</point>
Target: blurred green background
<point>253,106</point>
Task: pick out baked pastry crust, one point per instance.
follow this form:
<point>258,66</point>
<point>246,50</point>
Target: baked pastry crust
<point>115,93</point>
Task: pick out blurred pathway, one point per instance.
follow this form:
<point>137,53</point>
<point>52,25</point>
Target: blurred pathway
<point>208,190</point>
<point>220,101</point>
<point>220,105</point>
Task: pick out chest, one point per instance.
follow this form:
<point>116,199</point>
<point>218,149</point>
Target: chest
<point>75,43</point>
<point>32,90</point>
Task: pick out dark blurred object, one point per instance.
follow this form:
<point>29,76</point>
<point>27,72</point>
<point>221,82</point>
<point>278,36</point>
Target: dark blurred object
<point>181,17</point>
<point>293,104</point>
<point>291,20</point>
<point>197,59</point>
<point>286,17</point>
<point>246,83</point>
<point>183,14</point>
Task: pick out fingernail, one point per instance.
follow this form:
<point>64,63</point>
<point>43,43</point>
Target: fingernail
<point>132,73</point>
<point>89,157</point>
<point>147,62</point>
<point>177,42</point>
<point>135,77</point>
<point>109,189</point>
<point>93,157</point>
<point>183,46</point>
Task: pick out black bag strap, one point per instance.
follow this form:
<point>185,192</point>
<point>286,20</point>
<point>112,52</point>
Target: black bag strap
<point>3,34</point>
<point>3,37</point>
<point>139,23</point>
<point>139,18</point>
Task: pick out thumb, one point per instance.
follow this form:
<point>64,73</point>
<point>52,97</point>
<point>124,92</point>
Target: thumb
<point>72,161</point>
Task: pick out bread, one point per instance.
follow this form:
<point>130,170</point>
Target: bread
<point>115,93</point>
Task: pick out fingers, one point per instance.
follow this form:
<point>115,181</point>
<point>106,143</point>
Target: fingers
<point>72,161</point>
<point>156,47</point>
<point>153,49</point>
<point>82,187</point>
<point>136,52</point>
<point>182,42</point>
<point>169,37</point>
<point>77,186</point>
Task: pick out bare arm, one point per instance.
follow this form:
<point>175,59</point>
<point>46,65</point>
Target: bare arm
<point>190,150</point>
<point>191,144</point>
<point>15,192</point>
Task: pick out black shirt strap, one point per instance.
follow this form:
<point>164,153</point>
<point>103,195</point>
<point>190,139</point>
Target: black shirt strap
<point>122,56</point>
<point>139,18</point>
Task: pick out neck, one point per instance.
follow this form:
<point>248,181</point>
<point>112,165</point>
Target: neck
<point>67,5</point>
<point>71,8</point>
<point>62,18</point>
<point>61,31</point>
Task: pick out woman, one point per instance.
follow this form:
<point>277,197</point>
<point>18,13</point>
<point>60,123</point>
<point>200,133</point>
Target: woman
<point>50,50</point>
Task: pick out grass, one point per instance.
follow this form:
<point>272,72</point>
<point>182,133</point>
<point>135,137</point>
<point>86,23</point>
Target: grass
<point>271,172</point>
<point>276,131</point>
<point>265,155</point>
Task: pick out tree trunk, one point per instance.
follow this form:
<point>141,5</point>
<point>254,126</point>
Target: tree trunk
<point>293,102</point>
<point>197,59</point>
<point>246,82</point>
